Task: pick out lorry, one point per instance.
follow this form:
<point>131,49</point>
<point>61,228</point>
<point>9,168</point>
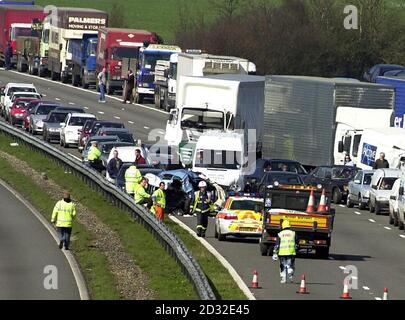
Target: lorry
<point>218,102</point>
<point>364,146</point>
<point>399,85</point>
<point>306,117</point>
<point>84,61</point>
<point>195,64</point>
<point>145,72</point>
<point>16,21</point>
<point>67,26</point>
<point>114,45</point>
<point>290,202</point>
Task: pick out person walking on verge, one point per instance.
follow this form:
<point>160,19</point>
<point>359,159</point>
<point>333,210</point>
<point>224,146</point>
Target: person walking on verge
<point>101,84</point>
<point>129,87</point>
<point>132,179</point>
<point>285,250</point>
<point>201,206</point>
<point>381,163</point>
<point>8,56</point>
<point>63,215</point>
<point>159,202</point>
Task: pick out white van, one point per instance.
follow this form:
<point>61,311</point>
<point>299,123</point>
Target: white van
<point>381,189</point>
<point>223,158</point>
<point>394,201</point>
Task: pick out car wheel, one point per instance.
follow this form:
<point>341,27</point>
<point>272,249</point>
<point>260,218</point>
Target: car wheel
<point>362,206</point>
<point>349,203</point>
<point>337,196</point>
<point>396,221</point>
<point>221,237</point>
<point>371,207</point>
<point>401,225</point>
<point>377,208</point>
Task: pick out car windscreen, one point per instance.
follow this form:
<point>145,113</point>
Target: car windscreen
<point>22,104</point>
<point>246,205</point>
<point>220,159</point>
<point>294,167</point>
<point>15,89</point>
<point>88,125</point>
<point>343,173</point>
<point>283,178</point>
<point>57,117</point>
<point>124,137</point>
<point>367,178</point>
<point>387,183</point>
<point>106,148</point>
<point>26,95</point>
<point>99,125</point>
<point>202,119</point>
<point>118,53</point>
<point>44,109</point>
<point>77,121</point>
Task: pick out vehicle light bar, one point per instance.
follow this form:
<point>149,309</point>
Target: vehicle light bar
<point>244,194</point>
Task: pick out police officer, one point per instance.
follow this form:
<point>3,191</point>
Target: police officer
<point>132,179</point>
<point>141,196</point>
<point>94,156</point>
<point>201,206</point>
<point>62,216</point>
<point>285,249</point>
<point>159,202</point>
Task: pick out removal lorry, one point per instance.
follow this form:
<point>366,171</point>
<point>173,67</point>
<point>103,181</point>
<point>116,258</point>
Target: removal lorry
<point>114,45</point>
<point>306,117</point>
<point>145,71</point>
<point>16,21</point>
<point>399,85</point>
<point>69,25</point>
<point>218,102</point>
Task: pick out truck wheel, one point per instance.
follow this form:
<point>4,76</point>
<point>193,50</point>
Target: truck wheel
<point>157,98</point>
<point>64,78</point>
<point>349,203</point>
<point>139,98</point>
<point>85,84</point>
<point>41,72</point>
<point>401,225</point>
<point>30,69</point>
<point>108,89</point>
<point>337,196</point>
<point>54,75</point>
<point>18,64</point>
<point>24,67</point>
<point>75,80</point>
<point>322,252</point>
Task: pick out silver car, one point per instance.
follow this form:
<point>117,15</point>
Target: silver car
<point>359,189</point>
<point>53,125</point>
<point>38,114</point>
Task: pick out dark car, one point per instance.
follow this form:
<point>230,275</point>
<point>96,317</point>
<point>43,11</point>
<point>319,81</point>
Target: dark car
<point>281,177</point>
<point>143,168</point>
<point>334,178</point>
<point>53,125</point>
<point>122,133</point>
<point>93,128</point>
<point>379,70</point>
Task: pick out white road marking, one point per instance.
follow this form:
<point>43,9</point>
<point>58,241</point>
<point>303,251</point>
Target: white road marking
<point>86,90</point>
<point>402,236</point>
<point>377,298</point>
<point>123,109</point>
<point>341,205</point>
<point>371,220</point>
<point>117,117</point>
<point>354,277</point>
<point>331,258</point>
<point>388,228</point>
<point>366,288</point>
<point>356,212</point>
<point>72,103</point>
<point>131,122</point>
<point>100,112</point>
<point>145,127</point>
<point>342,268</point>
<point>87,108</point>
<point>44,95</point>
<point>57,99</point>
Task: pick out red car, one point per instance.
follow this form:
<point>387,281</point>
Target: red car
<point>26,119</point>
<point>18,111</point>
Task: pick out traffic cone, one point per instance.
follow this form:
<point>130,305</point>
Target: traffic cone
<point>385,296</point>
<point>311,207</point>
<point>345,294</point>
<point>322,203</point>
<point>255,281</point>
<point>303,288</point>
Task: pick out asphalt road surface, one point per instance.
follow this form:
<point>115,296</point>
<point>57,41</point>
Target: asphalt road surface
<point>372,248</point>
<point>26,249</point>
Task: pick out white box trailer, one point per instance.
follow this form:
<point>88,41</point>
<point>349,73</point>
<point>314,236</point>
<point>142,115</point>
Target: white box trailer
<point>220,102</point>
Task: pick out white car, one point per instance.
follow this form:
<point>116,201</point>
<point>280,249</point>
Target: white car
<point>240,217</point>
<point>70,129</point>
<point>10,88</point>
<point>16,95</point>
<point>394,203</point>
<point>381,189</point>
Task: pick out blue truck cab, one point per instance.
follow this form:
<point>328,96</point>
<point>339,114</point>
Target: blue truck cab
<point>145,70</point>
<point>84,61</point>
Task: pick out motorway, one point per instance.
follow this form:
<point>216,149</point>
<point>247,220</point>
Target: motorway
<point>360,239</point>
<point>26,249</point>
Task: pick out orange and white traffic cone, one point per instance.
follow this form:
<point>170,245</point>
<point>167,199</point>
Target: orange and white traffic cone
<point>255,281</point>
<point>322,203</point>
<point>311,201</point>
<point>303,288</point>
<point>345,294</point>
<point>385,296</point>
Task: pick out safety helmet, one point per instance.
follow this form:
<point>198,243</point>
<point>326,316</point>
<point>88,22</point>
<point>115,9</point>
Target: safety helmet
<point>285,224</point>
<point>202,184</point>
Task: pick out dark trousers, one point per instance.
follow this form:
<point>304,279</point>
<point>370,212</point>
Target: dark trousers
<point>64,235</point>
<point>147,201</point>
<point>7,62</point>
<point>202,221</point>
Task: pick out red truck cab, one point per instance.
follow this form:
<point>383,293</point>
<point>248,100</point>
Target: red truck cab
<point>114,44</point>
<point>15,21</point>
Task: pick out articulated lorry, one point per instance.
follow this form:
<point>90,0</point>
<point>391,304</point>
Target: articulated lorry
<point>306,117</point>
<point>218,102</point>
<point>84,61</point>
<point>16,21</point>
<point>115,45</point>
<point>145,85</point>
<point>193,64</point>
<point>67,26</point>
